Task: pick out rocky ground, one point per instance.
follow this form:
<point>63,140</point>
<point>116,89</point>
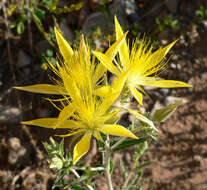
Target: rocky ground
<point>179,157</point>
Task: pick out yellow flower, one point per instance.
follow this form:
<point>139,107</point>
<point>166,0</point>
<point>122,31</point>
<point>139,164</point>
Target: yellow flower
<point>142,65</point>
<point>84,113</point>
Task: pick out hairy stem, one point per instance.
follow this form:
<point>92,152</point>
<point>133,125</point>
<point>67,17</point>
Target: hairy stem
<point>107,164</point>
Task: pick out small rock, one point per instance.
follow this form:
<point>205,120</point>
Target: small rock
<point>67,32</point>
<point>204,76</point>
<point>16,151</point>
<point>95,20</point>
<point>149,88</point>
<point>131,10</point>
<point>14,143</point>
<point>175,66</point>
<point>9,115</point>
<point>204,22</point>
<point>174,57</point>
<point>23,59</point>
<point>164,91</point>
<point>164,42</point>
<point>172,99</point>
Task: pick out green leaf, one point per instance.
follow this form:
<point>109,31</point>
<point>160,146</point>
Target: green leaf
<point>143,165</point>
<point>79,180</point>
<point>12,24</point>
<point>111,165</point>
<point>76,187</point>
<point>136,180</point>
<point>61,147</point>
<point>20,27</point>
<point>162,114</point>
<point>129,143</point>
<point>23,17</point>
<point>40,14</point>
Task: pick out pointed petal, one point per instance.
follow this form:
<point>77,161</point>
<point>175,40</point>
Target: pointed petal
<point>142,118</point>
<point>106,61</point>
<point>112,51</point>
<point>52,123</point>
<point>43,122</point>
<point>99,72</point>
<point>117,87</point>
<point>64,46</point>
<point>116,130</point>
<point>156,58</point>
<point>42,88</point>
<point>81,147</point>
<point>165,84</point>
<point>124,50</point>
<point>66,112</point>
<point>137,95</point>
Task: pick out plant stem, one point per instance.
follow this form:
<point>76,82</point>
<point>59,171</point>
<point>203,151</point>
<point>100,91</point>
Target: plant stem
<point>107,164</point>
<point>129,176</point>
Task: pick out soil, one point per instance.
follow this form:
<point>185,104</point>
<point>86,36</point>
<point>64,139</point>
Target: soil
<point>179,156</point>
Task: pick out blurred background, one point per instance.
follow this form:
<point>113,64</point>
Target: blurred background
<point>27,40</point>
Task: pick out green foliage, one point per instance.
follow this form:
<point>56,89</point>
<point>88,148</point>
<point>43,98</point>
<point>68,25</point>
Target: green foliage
<point>60,161</point>
<point>162,114</point>
<point>202,12</point>
<point>167,22</point>
<point>129,143</point>
<point>47,56</point>
<point>38,10</point>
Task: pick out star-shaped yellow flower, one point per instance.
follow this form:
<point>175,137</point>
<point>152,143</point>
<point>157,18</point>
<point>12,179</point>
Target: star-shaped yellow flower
<point>84,112</point>
<point>142,65</point>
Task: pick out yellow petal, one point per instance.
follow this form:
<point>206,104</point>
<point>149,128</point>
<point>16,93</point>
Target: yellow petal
<point>81,147</point>
<point>142,118</point>
<point>66,112</point>
<point>119,83</point>
<point>104,91</point>
<point>157,58</point>
<point>70,85</point>
<point>124,50</point>
<point>116,130</point>
<point>112,50</point>
<point>71,134</point>
<point>137,95</point>
<point>117,87</point>
<point>106,61</point>
<point>109,116</point>
<point>165,84</point>
<point>64,47</point>
<point>42,88</point>
<point>52,123</point>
